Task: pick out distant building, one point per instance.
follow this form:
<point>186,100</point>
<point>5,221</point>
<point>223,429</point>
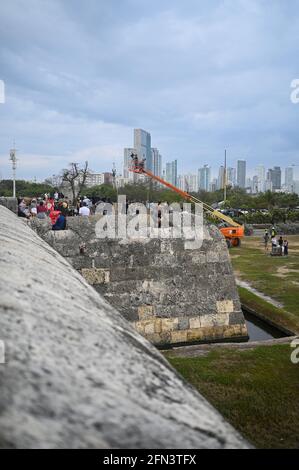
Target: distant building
<point>274,176</point>
<point>204,178</point>
<point>289,179</point>
<point>296,187</point>
<point>156,162</point>
<point>172,172</point>
<point>268,185</point>
<point>127,163</point>
<point>255,184</point>
<point>190,183</point>
<point>181,182</point>
<point>96,179</point>
<point>249,185</point>
<point>261,178</point>
<point>120,181</point>
<point>142,148</point>
<point>142,145</point>
<point>241,173</point>
<point>213,185</point>
<point>220,182</point>
<point>231,176</point>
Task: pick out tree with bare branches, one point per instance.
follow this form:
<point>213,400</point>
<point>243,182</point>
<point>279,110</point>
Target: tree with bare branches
<point>76,178</point>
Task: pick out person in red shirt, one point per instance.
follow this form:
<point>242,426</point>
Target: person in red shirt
<point>41,211</point>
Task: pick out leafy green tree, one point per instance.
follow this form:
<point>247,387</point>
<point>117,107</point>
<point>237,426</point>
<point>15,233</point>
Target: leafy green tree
<point>25,188</point>
<point>103,191</point>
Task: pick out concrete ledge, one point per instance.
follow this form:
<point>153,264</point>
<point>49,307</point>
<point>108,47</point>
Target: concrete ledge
<point>77,375</point>
<point>198,350</point>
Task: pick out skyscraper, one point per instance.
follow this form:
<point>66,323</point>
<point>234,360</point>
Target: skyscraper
<point>260,179</point>
<point>255,184</point>
<point>241,173</point>
<point>220,184</point>
<point>172,172</point>
<point>274,176</point>
<point>142,145</point>
<point>231,176</point>
<point>289,179</point>
<point>127,162</point>
<point>204,178</point>
<point>190,183</point>
<point>157,162</point>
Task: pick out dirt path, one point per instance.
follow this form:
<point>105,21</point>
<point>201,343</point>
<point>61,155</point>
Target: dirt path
<point>268,299</point>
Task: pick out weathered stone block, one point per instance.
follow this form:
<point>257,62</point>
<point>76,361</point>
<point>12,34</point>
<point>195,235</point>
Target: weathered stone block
<point>169,324</point>
<point>212,257</point>
<point>158,325</point>
<point>197,334</point>
<point>96,275</point>
<point>225,306</point>
<point>149,327</point>
<point>195,322</point>
<point>222,319</point>
<point>236,318</point>
<point>206,321</point>
<point>145,311</point>
<point>183,323</point>
<point>179,336</point>
<point>139,326</point>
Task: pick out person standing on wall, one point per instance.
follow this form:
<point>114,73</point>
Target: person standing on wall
<point>286,247</point>
<point>84,210</point>
<point>280,243</point>
<point>266,239</point>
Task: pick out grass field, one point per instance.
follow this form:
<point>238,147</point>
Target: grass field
<point>277,277</point>
<point>255,390</point>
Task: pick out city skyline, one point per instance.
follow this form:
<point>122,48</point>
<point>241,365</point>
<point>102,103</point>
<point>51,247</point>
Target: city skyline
<point>259,179</point>
<point>193,178</point>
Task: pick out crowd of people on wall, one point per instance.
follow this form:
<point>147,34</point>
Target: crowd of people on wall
<point>279,246</point>
<point>55,207</point>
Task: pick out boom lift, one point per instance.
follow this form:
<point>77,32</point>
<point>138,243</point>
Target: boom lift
<point>232,231</point>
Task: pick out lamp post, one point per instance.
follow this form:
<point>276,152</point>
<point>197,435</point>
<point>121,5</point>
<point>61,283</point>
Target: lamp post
<point>114,180</point>
<point>224,178</point>
<point>13,159</point>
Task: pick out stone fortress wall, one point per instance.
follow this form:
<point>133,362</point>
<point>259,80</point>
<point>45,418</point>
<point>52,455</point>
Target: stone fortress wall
<point>76,373</point>
<point>10,203</point>
<point>170,293</point>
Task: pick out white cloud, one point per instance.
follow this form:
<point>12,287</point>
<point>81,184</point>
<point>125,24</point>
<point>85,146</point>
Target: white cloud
<point>197,75</point>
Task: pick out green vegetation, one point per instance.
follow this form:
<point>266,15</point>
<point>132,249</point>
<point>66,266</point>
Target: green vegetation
<point>277,277</point>
<point>24,188</point>
<point>279,207</point>
<point>255,390</point>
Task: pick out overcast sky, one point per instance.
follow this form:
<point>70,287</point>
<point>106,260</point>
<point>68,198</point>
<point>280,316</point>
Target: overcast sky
<point>200,76</point>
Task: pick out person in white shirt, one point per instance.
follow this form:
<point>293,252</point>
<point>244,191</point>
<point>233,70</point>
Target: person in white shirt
<point>84,210</point>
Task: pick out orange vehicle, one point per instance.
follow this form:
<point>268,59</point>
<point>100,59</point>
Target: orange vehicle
<point>232,231</point>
